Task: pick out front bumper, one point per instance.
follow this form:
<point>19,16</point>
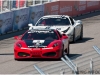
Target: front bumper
<point>37,53</point>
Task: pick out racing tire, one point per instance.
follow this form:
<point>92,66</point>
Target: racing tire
<point>15,59</point>
<point>81,33</point>
<point>62,54</point>
<point>74,36</point>
<point>67,50</point>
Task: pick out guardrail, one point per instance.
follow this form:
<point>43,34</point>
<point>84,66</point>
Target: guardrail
<point>75,70</point>
<point>39,70</point>
<point>97,49</point>
<point>70,64</point>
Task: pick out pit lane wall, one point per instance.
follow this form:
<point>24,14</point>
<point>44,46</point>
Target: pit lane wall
<point>18,19</point>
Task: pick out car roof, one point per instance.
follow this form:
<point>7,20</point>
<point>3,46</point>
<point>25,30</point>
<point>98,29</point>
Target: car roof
<point>50,16</point>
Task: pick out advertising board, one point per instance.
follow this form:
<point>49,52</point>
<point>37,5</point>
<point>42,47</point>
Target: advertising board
<point>35,13</point>
<point>21,18</point>
<point>6,22</point>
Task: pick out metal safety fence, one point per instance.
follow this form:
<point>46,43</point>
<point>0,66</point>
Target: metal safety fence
<point>39,70</point>
<point>70,64</point>
<point>86,66</point>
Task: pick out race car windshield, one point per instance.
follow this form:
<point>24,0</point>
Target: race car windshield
<point>53,21</point>
<point>40,35</point>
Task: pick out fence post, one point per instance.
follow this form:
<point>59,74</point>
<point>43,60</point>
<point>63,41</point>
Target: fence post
<point>73,69</point>
<point>62,71</point>
<point>91,67</point>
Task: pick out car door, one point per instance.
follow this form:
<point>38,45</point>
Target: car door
<point>76,26</point>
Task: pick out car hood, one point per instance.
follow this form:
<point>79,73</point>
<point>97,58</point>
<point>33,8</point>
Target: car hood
<point>33,43</point>
<point>60,28</point>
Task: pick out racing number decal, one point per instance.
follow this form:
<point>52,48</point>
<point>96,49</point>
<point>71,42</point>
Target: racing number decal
<point>47,28</point>
<point>58,28</point>
<point>54,28</point>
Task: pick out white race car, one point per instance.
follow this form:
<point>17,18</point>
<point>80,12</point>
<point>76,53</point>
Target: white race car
<point>64,23</point>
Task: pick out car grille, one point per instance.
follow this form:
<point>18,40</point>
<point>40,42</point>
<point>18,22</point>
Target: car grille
<point>36,54</point>
<point>49,54</point>
<point>22,54</point>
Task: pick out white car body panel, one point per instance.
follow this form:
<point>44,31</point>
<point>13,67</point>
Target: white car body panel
<point>77,26</point>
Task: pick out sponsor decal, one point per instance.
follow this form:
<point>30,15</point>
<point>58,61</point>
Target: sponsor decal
<point>80,6</point>
<point>17,19</point>
<point>65,9</point>
<point>58,28</point>
<point>92,3</point>
<point>32,15</point>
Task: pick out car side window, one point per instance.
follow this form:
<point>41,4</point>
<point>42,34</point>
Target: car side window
<point>71,20</point>
<point>59,34</point>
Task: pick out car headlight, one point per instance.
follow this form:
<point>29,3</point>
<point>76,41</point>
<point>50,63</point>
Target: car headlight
<point>19,45</point>
<point>66,30</point>
<point>55,45</point>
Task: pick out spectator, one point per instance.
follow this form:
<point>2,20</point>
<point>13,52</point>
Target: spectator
<point>21,3</point>
<point>0,4</point>
<point>14,4</point>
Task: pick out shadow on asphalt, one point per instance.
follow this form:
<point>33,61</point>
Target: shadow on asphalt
<point>85,39</point>
<point>6,54</point>
<point>74,56</point>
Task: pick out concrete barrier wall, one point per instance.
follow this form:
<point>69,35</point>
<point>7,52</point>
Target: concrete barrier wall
<point>19,19</point>
<point>71,8</point>
<point>35,13</point>
<point>6,22</point>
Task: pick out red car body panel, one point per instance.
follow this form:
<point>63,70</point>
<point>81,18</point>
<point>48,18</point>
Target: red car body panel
<point>47,52</point>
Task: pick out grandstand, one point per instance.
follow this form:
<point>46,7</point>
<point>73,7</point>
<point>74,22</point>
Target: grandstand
<point>6,5</point>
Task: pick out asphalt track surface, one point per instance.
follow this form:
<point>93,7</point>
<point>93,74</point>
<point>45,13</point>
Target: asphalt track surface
<point>81,52</point>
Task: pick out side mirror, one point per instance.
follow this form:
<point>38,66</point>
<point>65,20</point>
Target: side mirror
<point>16,38</point>
<point>30,25</point>
<point>79,21</point>
<point>64,36</point>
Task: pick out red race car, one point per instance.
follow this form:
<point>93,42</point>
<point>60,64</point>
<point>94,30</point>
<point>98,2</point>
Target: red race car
<point>41,43</point>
